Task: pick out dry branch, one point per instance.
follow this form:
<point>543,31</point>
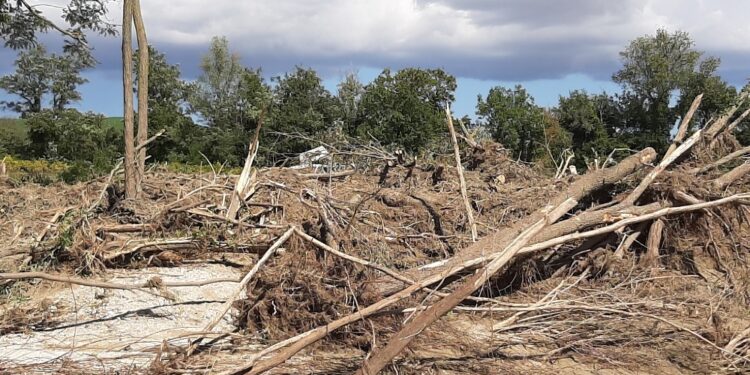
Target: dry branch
<point>722,161</point>
<point>326,176</point>
<point>682,130</point>
<point>737,121</point>
<point>154,282</point>
<point>126,228</point>
<point>628,241</point>
<point>461,179</point>
<point>243,284</point>
<point>668,159</point>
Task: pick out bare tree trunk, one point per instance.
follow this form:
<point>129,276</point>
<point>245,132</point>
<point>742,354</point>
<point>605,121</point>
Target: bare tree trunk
<point>127,90</point>
<point>143,63</point>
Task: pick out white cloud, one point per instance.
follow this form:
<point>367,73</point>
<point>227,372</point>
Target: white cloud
<point>500,39</point>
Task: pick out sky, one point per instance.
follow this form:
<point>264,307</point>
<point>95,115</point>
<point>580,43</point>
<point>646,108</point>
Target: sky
<point>549,46</point>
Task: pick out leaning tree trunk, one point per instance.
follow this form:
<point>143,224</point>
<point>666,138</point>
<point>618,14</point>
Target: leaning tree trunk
<point>127,91</point>
<point>143,62</point>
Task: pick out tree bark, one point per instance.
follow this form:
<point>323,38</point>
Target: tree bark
<point>489,244</point>
<point>654,242</point>
<point>127,90</point>
<point>400,340</point>
<point>732,176</point>
<point>143,64</point>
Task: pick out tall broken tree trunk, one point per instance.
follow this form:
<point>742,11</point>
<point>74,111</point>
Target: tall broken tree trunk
<point>127,90</point>
<point>246,180</point>
<point>143,64</point>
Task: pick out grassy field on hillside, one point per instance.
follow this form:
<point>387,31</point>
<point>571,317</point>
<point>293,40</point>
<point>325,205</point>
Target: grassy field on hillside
<point>17,127</point>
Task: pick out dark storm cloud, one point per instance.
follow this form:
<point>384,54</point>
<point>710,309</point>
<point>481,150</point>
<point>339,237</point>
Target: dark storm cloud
<point>491,39</point>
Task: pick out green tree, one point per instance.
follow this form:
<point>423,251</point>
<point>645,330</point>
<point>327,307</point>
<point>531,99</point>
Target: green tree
<point>219,96</point>
<point>167,109</point>
<point>39,74</point>
<point>405,109</point>
<point>513,119</point>
<point>73,136</point>
<point>556,140</point>
<point>302,109</point>
<point>582,115</point>
<point>21,21</point>
<point>229,99</point>
<point>350,91</point>
<point>65,78</point>
<point>718,95</point>
<point>30,81</point>
<point>655,66</point>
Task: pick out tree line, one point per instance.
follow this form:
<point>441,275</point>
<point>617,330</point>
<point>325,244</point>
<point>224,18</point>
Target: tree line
<point>214,117</point>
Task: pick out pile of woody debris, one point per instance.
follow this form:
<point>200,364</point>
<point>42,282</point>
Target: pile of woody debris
<point>470,263</point>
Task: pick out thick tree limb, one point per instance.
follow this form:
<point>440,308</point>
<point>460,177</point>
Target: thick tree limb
<point>722,161</point>
<point>582,187</point>
<point>398,342</point>
<point>654,242</point>
<point>737,121</point>
<point>143,65</point>
<point>127,87</point>
<point>682,130</point>
<point>668,159</point>
<point>732,176</point>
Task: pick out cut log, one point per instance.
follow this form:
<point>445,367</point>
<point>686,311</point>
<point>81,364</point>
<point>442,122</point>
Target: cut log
<point>654,242</point>
<point>732,176</point>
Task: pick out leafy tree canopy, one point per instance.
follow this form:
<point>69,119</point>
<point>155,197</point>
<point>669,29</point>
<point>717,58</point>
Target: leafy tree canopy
<point>21,21</point>
<point>513,119</point>
<point>39,74</point>
<point>405,109</point>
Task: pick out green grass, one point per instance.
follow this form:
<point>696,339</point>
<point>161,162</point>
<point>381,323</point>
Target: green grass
<point>14,127</point>
<point>17,127</point>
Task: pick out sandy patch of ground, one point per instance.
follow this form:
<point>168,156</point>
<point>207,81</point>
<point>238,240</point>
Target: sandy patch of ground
<point>120,328</point>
